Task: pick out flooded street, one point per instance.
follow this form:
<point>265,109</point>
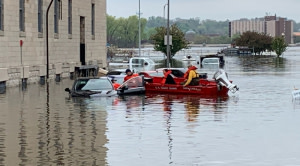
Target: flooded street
<point>257,126</point>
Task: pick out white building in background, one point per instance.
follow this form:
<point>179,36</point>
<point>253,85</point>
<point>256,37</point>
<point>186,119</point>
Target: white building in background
<point>77,36</point>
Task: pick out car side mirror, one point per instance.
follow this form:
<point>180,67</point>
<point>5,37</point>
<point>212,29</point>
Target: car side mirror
<point>67,90</point>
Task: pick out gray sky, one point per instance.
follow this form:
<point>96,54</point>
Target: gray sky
<point>220,10</point>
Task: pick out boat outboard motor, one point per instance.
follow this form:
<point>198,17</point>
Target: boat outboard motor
<point>222,78</point>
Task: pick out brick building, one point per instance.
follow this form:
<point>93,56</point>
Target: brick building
<point>271,25</point>
<point>77,36</point>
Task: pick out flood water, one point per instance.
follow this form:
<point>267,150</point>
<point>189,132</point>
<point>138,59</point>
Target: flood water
<point>257,126</point>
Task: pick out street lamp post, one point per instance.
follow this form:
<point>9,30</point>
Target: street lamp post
<point>139,28</point>
<point>47,38</point>
<point>168,36</point>
<point>165,11</point>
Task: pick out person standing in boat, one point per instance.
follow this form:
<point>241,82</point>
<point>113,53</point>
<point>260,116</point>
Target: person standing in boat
<point>167,79</point>
<point>129,75</point>
<point>191,76</point>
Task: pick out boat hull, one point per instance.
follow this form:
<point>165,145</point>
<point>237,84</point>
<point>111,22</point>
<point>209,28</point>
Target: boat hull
<point>205,88</point>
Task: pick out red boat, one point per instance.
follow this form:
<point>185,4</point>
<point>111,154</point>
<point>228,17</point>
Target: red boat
<point>218,86</point>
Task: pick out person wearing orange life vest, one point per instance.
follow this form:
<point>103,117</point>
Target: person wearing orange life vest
<point>191,76</point>
<point>167,79</point>
<point>129,75</point>
<point>115,84</point>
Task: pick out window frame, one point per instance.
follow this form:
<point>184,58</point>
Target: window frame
<point>93,19</point>
<point>1,15</point>
<point>40,16</point>
<point>56,16</point>
<point>22,15</point>
<point>70,17</point>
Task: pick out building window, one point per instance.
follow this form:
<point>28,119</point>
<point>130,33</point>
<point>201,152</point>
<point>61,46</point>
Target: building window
<point>56,14</point>
<point>22,15</point>
<point>1,15</point>
<point>70,17</point>
<point>93,19</point>
<point>40,16</point>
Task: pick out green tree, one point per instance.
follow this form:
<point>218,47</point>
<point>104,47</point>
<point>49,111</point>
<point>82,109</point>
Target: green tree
<point>178,40</point>
<point>279,45</point>
<point>124,32</point>
<point>258,41</point>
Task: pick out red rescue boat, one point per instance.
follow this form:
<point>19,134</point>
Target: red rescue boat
<point>218,86</point>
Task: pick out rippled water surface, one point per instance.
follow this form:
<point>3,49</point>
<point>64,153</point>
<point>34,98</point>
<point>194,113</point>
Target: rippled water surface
<point>258,126</point>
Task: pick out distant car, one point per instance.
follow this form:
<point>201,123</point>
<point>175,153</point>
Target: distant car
<point>209,61</point>
<point>116,72</point>
<point>215,61</point>
<point>92,87</point>
<point>141,61</point>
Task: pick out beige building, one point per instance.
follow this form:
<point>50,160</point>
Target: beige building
<point>244,25</point>
<point>76,35</point>
<point>270,25</point>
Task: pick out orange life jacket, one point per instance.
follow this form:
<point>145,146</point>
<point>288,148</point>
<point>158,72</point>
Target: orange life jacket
<point>165,77</point>
<point>131,76</point>
<point>116,86</point>
<point>186,74</point>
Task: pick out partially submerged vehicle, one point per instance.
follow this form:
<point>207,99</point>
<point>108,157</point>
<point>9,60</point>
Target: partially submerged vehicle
<point>91,87</point>
<point>217,60</point>
<point>219,85</point>
<point>135,85</point>
<point>141,61</point>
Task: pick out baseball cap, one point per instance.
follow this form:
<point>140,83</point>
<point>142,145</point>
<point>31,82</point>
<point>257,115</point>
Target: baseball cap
<point>127,70</point>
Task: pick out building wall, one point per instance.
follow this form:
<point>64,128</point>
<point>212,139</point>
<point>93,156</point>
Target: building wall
<point>289,38</point>
<point>271,25</point>
<point>64,49</point>
<point>270,28</point>
<point>239,27</point>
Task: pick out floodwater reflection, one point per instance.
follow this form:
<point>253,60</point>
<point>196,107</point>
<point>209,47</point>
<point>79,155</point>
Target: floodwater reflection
<point>193,105</point>
<point>152,125</point>
<point>44,127</point>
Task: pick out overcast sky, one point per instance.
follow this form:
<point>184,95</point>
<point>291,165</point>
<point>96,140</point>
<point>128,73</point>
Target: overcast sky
<point>219,10</point>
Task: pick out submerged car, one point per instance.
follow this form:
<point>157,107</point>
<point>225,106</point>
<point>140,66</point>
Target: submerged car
<point>92,87</point>
<point>134,85</point>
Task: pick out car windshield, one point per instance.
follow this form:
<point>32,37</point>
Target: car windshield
<point>211,60</point>
<point>93,84</point>
<point>119,79</point>
<point>133,82</point>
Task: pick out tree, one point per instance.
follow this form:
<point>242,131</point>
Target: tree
<point>178,40</point>
<point>124,32</point>
<point>279,45</point>
<point>258,41</point>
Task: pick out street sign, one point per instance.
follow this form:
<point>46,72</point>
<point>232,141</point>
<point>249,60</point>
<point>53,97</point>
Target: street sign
<point>170,40</point>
